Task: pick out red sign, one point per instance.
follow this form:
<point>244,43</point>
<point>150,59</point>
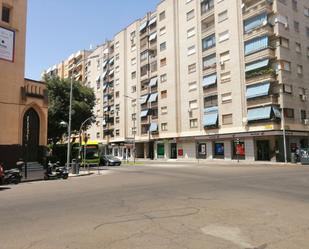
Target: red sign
<point>240,149</point>
<point>180,152</point>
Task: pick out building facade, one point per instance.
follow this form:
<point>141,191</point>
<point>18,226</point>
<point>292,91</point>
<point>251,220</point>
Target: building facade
<point>74,65</point>
<point>210,79</point>
<point>23,102</point>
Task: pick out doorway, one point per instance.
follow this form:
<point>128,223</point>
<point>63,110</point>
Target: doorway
<point>263,150</point>
<point>31,135</point>
<point>173,151</point>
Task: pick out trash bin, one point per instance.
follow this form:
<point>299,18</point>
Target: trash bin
<point>74,168</point>
<point>293,157</point>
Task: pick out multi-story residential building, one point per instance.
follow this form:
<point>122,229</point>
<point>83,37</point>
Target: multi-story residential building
<point>75,64</point>
<point>208,79</point>
<point>23,102</point>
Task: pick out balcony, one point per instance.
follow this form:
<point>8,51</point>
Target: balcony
<point>259,31</point>
<point>207,8</point>
<point>269,52</point>
<point>262,101</point>
<point>252,7</point>
<point>208,25</point>
<point>260,75</point>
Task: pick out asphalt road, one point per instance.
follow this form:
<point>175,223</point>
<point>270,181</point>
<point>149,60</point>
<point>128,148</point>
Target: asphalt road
<point>161,207</point>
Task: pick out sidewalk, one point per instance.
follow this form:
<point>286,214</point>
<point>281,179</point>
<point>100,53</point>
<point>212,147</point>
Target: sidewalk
<point>215,162</point>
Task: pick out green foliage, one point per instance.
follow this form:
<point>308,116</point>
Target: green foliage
<point>260,72</point>
<point>59,101</point>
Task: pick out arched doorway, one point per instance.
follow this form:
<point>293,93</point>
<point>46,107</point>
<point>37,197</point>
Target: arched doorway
<point>31,135</point>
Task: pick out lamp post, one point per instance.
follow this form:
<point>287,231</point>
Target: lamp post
<point>283,128</point>
<point>134,128</point>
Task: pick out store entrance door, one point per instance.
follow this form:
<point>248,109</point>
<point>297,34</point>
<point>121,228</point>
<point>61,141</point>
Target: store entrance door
<point>173,151</point>
<point>263,153</point>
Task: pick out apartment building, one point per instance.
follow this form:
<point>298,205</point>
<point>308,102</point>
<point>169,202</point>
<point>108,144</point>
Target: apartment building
<point>23,102</point>
<point>74,65</point>
<point>210,79</point>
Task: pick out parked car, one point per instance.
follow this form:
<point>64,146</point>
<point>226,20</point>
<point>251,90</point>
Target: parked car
<point>108,160</point>
<point>1,174</point>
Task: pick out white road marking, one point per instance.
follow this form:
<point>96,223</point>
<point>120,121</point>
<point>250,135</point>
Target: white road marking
<point>232,234</point>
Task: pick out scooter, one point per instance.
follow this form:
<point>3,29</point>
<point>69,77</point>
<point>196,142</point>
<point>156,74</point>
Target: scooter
<point>12,176</point>
<point>55,171</point>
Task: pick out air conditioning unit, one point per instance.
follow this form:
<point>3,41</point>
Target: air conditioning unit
<point>245,121</point>
<point>304,97</point>
<point>265,23</point>
<point>286,25</point>
<point>306,121</point>
<point>222,63</point>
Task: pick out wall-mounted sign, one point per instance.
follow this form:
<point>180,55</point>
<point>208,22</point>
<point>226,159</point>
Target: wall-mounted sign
<point>7,38</point>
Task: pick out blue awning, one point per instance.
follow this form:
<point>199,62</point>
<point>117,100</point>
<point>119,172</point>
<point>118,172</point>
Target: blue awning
<point>277,112</point>
<point>143,26</point>
<point>209,80</point>
<point>256,65</point>
<point>153,97</point>
<point>259,113</point>
<point>256,45</point>
<point>258,90</point>
<point>153,82</point>
<point>143,99</point>
<point>153,127</point>
<point>255,22</point>
<point>144,113</point>
<point>210,116</point>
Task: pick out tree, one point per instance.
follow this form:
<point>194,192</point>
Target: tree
<point>59,101</point>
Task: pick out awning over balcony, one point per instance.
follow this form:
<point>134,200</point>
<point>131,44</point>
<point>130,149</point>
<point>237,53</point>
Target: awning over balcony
<point>256,65</point>
<point>111,72</point>
<point>98,78</point>
<point>255,22</point>
<point>153,82</point>
<point>263,113</point>
<point>258,90</point>
<point>211,116</point>
<point>105,85</point>
<point>105,63</point>
<point>111,61</point>
<point>144,113</point>
<point>152,21</point>
<point>143,26</point>
<point>153,97</point>
<point>256,45</point>
<point>143,99</point>
<point>209,80</point>
<point>153,36</point>
<point>153,127</point>
<point>104,75</point>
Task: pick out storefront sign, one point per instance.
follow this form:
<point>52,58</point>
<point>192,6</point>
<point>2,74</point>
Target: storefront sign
<point>7,38</point>
<point>180,152</point>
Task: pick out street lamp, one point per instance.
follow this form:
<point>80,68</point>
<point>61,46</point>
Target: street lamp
<point>134,128</point>
<point>283,127</point>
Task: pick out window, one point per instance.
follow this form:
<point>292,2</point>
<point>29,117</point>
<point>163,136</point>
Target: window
<point>306,11</point>
<point>117,133</point>
<point>256,44</point>
<point>190,15</point>
<point>209,42</point>
<point>224,57</point>
<point>117,120</point>
<point>222,16</point>
<point>192,68</point>
<point>163,62</point>
<point>192,86</point>
<point>288,113</point>
<point>117,69</point>
<point>287,89</point>
<point>164,94</point>
<point>163,78</point>
<point>193,123</point>
<point>6,14</point>
<point>133,61</point>
<point>284,65</point>
<point>209,61</point>
<point>227,119</point>
<point>307,31</point>
<point>133,102</point>
<point>117,94</point>
<point>133,116</point>
<point>162,46</point>
<point>255,22</point>
<point>303,115</point>
<point>226,98</point>
<point>299,69</point>
<point>117,44</point>
<point>162,16</point>
<point>296,26</point>
<point>298,47</point>
<point>164,127</point>
<point>190,32</point>
<point>144,55</point>
<point>193,104</point>
<point>164,110</point>
<point>144,70</point>
<point>225,77</point>
<point>153,66</point>
<point>211,101</point>
<point>117,81</point>
<point>294,5</point>
<point>133,89</point>
<point>224,36</point>
<point>98,135</point>
<point>283,42</point>
<point>191,50</point>
<point>133,75</point>
<point>162,31</point>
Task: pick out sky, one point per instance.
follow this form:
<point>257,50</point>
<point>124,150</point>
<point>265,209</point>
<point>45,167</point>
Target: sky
<point>58,28</point>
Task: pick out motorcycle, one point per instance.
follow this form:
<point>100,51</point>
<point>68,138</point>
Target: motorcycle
<point>55,171</point>
<point>12,176</point>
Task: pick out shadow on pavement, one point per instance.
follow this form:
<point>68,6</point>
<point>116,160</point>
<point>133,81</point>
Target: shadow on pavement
<point>4,188</point>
